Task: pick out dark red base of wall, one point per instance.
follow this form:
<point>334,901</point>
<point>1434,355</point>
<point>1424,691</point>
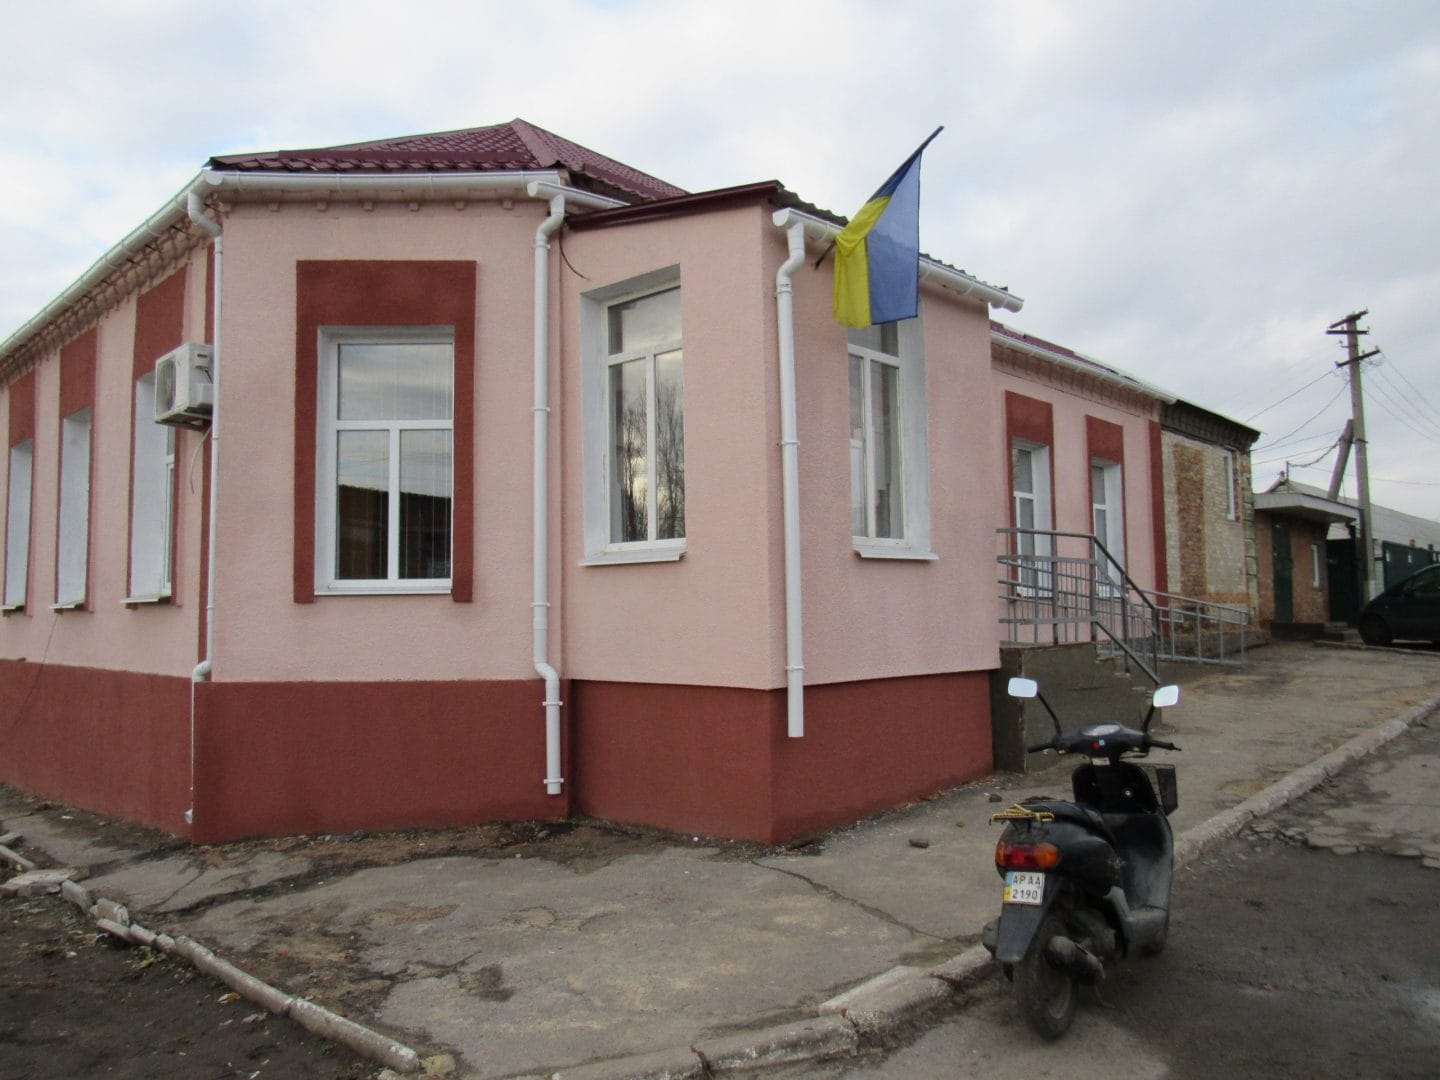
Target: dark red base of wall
<point>275,758</point>
<point>111,741</point>
<point>278,758</point>
<point>717,761</point>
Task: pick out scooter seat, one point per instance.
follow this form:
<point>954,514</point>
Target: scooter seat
<point>1077,815</point>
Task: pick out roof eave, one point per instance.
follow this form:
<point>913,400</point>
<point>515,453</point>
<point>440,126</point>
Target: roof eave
<point>932,270</point>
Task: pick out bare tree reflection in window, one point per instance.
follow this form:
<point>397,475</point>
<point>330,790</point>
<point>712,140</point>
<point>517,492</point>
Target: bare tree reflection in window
<point>669,447</point>
<point>629,518</point>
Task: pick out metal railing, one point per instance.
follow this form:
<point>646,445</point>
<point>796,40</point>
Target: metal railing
<point>1059,587</point>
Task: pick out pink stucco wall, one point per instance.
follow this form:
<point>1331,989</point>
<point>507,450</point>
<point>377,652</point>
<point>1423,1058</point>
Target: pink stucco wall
<point>880,618</point>
<point>712,617</point>
<point>152,638</point>
<point>261,634</point>
<point>1071,403</point>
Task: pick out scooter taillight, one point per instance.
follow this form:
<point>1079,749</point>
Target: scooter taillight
<point>1010,856</point>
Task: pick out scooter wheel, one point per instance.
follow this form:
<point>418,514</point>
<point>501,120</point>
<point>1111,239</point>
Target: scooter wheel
<point>1047,996</point>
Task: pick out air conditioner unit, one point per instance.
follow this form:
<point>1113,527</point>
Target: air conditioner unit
<point>184,393</point>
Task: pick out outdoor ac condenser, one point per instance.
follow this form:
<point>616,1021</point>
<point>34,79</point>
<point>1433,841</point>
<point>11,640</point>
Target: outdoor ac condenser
<point>183,390</point>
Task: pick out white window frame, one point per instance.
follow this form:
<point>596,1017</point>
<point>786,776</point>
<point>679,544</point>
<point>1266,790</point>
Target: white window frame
<point>152,501</point>
<point>595,307</point>
<point>1039,497</point>
<point>19,488</point>
<point>72,558</point>
<point>1112,500</point>
<point>914,448</point>
<point>1316,560</point>
<point>328,425</point>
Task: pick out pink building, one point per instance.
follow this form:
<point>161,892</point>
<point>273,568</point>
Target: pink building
<point>501,480</point>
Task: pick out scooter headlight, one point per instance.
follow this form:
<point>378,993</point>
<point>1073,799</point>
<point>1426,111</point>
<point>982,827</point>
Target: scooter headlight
<point>1042,856</point>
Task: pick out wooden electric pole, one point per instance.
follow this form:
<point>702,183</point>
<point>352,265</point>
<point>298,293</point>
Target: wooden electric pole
<point>1350,328</point>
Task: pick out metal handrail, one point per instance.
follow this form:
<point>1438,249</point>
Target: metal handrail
<point>1059,595</point>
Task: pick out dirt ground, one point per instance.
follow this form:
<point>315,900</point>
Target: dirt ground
<point>75,1004</point>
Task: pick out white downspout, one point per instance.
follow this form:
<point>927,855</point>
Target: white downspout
<point>195,208</point>
<point>540,605</point>
<point>789,477</point>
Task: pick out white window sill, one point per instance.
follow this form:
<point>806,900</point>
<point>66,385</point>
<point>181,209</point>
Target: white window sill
<point>886,551</point>
<point>385,589</point>
<point>8,608</point>
<point>157,598</point>
<point>648,553</point>
<point>69,605</point>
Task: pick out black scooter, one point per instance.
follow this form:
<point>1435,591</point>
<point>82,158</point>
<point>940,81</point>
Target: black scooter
<point>1087,882</point>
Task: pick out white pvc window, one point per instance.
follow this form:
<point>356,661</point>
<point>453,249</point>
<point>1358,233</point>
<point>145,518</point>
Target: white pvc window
<point>1108,511</point>
<point>889,481</point>
<point>152,500</point>
<point>877,481</point>
<point>73,556</point>
<point>17,523</point>
<point>646,405</point>
<point>385,482</point>
<point>1317,561</point>
<point>1030,488</point>
<point>632,393</point>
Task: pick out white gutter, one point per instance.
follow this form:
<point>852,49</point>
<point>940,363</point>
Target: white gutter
<point>298,186</point>
<point>946,277</point>
<point>195,209</point>
<point>1102,371</point>
<point>540,602</point>
<point>790,478</point>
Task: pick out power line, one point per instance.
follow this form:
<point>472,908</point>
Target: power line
<point>1387,403</point>
<point>1406,405</point>
<point>1413,388</point>
<point>1322,450</point>
<point>1288,396</point>
<point>1272,444</point>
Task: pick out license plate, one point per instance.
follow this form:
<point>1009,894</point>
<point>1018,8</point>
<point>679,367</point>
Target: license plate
<point>1024,887</point>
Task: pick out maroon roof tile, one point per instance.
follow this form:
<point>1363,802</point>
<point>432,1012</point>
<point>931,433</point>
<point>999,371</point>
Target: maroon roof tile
<point>513,147</point>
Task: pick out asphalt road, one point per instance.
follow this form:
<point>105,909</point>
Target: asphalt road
<point>1307,947</point>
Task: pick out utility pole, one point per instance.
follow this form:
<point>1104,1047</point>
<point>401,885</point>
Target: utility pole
<point>1350,328</point>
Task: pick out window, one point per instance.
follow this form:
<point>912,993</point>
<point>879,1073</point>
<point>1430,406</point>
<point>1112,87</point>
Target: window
<point>1108,512</point>
<point>633,393</point>
<point>877,491</point>
<point>1232,502</point>
<point>385,460</point>
<point>73,554</point>
<point>152,505</point>
<point>1030,488</point>
<point>889,483</point>
<point>17,524</point>
<point>645,394</point>
<point>1317,561</point>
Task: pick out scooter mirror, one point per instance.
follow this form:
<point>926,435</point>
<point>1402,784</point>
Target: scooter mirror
<point>1024,687</point>
<point>1165,696</point>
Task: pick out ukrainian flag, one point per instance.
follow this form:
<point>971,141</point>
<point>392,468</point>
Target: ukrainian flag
<point>877,256</point>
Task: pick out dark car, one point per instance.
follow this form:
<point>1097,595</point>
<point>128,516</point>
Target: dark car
<point>1408,610</point>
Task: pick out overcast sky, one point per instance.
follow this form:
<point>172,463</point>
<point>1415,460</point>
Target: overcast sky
<point>1192,193</point>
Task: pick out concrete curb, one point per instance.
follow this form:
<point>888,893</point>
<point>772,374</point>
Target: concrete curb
<point>899,998</point>
<point>113,918</point>
<point>1194,841</point>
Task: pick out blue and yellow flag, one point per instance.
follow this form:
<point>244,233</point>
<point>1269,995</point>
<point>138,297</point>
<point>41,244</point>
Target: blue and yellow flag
<point>877,256</point>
